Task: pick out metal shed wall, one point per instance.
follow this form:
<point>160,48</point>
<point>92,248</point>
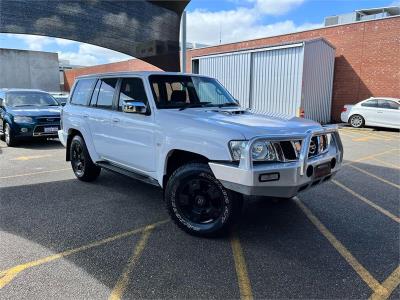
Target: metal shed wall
<point>276,81</point>
<point>233,71</point>
<point>279,80</point>
<point>319,60</point>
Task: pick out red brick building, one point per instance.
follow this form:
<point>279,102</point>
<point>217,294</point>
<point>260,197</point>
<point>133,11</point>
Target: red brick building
<point>367,59</point>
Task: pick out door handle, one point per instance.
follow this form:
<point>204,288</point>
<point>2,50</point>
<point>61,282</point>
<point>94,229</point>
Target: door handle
<point>86,116</point>
<point>115,120</point>
<point>380,112</point>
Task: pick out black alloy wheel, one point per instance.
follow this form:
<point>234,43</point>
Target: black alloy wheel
<point>198,203</point>
<point>81,163</point>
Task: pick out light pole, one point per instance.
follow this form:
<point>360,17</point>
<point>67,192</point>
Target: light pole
<point>183,41</point>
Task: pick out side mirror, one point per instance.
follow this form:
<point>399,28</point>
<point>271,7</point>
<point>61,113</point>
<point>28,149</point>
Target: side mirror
<point>1,102</point>
<point>135,107</point>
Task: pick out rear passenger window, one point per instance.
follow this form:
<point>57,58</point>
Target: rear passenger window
<point>132,89</point>
<point>106,93</point>
<point>82,91</point>
<point>370,103</point>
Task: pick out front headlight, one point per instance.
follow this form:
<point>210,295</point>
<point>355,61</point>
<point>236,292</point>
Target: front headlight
<point>263,151</point>
<point>236,148</point>
<point>21,119</point>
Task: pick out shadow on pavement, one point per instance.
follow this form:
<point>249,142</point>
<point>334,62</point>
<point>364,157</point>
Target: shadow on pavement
<point>281,245</point>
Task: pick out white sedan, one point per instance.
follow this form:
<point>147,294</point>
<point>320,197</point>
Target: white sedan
<point>380,112</point>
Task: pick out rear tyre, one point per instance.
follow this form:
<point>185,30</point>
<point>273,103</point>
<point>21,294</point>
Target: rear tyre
<point>9,137</point>
<point>198,203</point>
<point>81,163</point>
<point>357,121</point>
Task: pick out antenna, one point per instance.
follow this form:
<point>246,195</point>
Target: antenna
<point>220,32</point>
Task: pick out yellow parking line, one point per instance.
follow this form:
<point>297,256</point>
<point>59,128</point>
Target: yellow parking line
<point>351,260</point>
<point>374,176</point>
<point>24,158</point>
<point>393,166</point>
<point>123,280</point>
<point>369,157</point>
<point>8,275</point>
<point>390,284</point>
<point>370,203</point>
<point>241,269</point>
<point>34,173</point>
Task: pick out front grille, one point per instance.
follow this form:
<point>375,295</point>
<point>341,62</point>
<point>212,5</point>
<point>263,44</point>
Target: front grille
<point>288,150</point>
<point>40,131</point>
<point>319,144</point>
<point>48,120</point>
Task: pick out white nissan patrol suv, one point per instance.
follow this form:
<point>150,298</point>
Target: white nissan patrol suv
<point>186,134</point>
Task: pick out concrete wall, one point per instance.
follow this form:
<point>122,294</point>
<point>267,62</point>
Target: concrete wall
<point>29,69</point>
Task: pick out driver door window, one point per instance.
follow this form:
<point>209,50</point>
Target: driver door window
<point>132,89</point>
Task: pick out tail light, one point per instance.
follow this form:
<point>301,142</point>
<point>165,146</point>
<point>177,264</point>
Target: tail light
<point>301,113</point>
<point>344,109</point>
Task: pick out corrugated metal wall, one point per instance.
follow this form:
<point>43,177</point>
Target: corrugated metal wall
<point>233,71</point>
<point>318,69</point>
<point>278,80</point>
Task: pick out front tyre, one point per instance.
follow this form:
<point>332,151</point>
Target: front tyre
<point>9,137</point>
<point>357,121</point>
<point>81,163</point>
<point>198,203</point>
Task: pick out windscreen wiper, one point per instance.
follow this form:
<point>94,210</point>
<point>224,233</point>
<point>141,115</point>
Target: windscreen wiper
<point>190,105</point>
<point>228,104</point>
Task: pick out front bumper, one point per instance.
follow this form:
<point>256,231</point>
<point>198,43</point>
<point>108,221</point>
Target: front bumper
<point>33,130</point>
<point>293,176</point>
<point>62,136</point>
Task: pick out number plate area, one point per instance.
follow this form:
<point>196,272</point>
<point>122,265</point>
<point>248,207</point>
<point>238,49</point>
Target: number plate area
<point>322,170</point>
<point>50,129</point>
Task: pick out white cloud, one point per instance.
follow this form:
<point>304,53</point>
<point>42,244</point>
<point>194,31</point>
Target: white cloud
<point>88,55</point>
<point>242,23</point>
<point>395,3</point>
<point>274,7</point>
<point>62,42</point>
<point>34,42</point>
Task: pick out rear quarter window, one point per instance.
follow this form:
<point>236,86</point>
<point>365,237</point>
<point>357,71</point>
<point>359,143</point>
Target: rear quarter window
<point>82,91</point>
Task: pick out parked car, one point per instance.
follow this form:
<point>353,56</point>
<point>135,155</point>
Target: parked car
<point>27,114</point>
<point>188,135</point>
<point>61,97</point>
<point>380,111</point>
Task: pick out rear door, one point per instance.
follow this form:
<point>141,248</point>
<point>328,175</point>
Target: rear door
<point>389,113</point>
<point>133,133</point>
<point>99,118</point>
<point>369,111</point>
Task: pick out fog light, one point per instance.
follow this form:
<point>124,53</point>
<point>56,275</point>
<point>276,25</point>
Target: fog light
<point>269,177</point>
<point>24,129</point>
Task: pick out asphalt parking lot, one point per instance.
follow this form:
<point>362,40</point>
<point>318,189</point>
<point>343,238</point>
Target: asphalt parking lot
<point>62,239</point>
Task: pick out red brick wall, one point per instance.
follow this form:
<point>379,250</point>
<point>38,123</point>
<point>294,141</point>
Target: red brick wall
<point>367,59</point>
<point>129,65</point>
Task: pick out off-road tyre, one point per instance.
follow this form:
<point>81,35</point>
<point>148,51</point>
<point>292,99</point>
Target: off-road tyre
<point>82,165</point>
<point>199,204</point>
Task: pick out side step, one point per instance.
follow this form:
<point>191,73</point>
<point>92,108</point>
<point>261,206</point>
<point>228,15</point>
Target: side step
<point>131,174</point>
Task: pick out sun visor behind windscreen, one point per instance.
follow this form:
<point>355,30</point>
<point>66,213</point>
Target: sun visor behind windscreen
<point>148,30</point>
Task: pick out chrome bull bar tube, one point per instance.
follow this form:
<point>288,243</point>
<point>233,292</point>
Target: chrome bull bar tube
<point>246,159</point>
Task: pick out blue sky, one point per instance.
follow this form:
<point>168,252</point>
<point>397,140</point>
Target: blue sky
<point>235,19</point>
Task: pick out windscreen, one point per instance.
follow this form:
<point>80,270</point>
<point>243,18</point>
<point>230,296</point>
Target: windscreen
<point>19,99</point>
<point>176,91</point>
